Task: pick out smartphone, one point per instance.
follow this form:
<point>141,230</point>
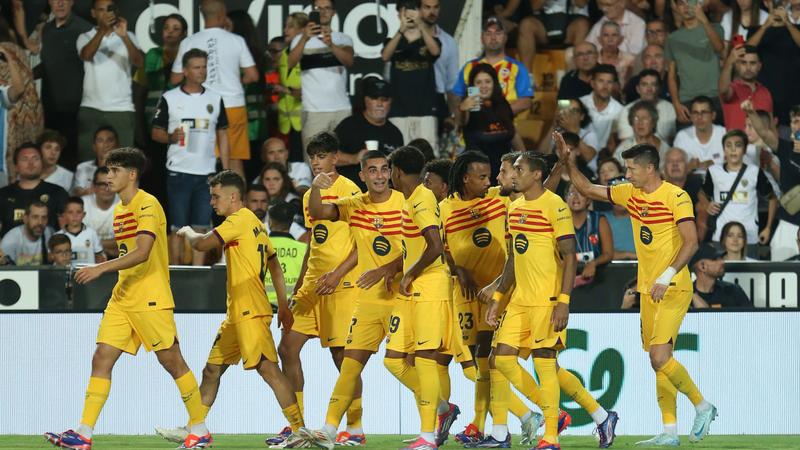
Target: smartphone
<point>313,16</point>
<point>737,41</point>
<point>474,91</point>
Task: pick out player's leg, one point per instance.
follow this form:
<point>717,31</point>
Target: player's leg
<point>544,361</point>
<point>209,386</point>
<point>482,383</point>
<point>306,326</point>
<point>284,392</point>
<point>400,344</point>
<point>606,421</point>
<point>355,429</point>
<point>447,412</point>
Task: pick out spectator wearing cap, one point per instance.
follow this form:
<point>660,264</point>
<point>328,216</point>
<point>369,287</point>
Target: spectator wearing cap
<point>746,64</point>
<point>603,108</point>
<point>693,52</point>
<point>577,82</point>
<point>370,125</point>
<point>110,52</point>
<point>411,54</point>
<point>710,291</point>
<point>652,58</point>
<point>648,89</point>
<point>631,26</point>
<point>515,81</point>
<point>324,56</point>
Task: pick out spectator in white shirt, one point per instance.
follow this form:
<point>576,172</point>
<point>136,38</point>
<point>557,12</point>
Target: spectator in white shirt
<point>59,251</point>
<point>109,53</point>
<point>230,66</point>
<point>25,245</point>
<point>99,207</point>
<point>324,56</point>
<point>274,150</point>
<point>703,140</point>
<point>631,25</point>
<point>52,143</point>
<point>603,108</point>
<point>86,247</point>
<point>105,140</point>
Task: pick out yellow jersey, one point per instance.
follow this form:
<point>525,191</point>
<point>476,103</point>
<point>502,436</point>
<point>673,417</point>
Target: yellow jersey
<point>331,242</point>
<point>536,226</point>
<point>421,212</point>
<point>655,218</point>
<point>475,234</point>
<point>144,286</point>
<point>376,228</point>
<point>247,253</point>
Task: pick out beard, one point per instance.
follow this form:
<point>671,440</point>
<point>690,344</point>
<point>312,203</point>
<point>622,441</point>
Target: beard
<point>260,213</point>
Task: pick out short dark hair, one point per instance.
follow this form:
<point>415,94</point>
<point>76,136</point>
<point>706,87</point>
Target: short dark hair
<point>36,204</point>
<point>408,4</point>
<point>702,99</point>
<point>408,159</point>
<point>536,162</point>
<point>52,136</point>
<point>510,157</point>
<point>642,154</point>
<point>571,139</point>
<point>372,154</point>
<point>736,133</point>
<point>228,178</point>
<point>605,68</point>
<point>460,167</point>
<point>425,147</point>
<point>102,170</point>
<point>56,240</point>
<point>130,158</point>
<point>794,111</point>
<point>751,50</point>
<point>74,199</point>
<point>282,212</point>
<point>323,142</point>
<point>108,128</point>
<point>650,73</point>
<point>193,53</point>
<point>440,167</point>
<point>259,187</point>
<point>24,146</point>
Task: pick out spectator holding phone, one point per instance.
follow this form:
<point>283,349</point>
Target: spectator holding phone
<point>743,18</point>
<point>746,64</point>
<point>109,53</point>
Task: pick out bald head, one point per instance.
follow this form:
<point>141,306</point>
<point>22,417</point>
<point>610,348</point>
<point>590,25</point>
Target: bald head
<point>274,150</point>
<point>584,56</point>
<point>213,9</point>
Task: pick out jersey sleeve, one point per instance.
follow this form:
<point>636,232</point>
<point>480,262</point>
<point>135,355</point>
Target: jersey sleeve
<point>245,57</point>
<point>681,206</point>
<point>523,83</point>
<point>82,40</point>
<point>306,216</point>
<point>177,66</point>
<point>228,230</point>
<point>460,86</point>
<point>444,214</point>
<point>346,206</point>
<point>148,220</point>
<point>561,218</point>
<point>620,193</point>
<point>161,116</point>
<point>426,213</point>
<point>271,253</point>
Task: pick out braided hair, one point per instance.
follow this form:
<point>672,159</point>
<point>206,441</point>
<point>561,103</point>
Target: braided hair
<point>460,168</point>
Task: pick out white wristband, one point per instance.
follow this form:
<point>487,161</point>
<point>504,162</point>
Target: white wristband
<point>666,276</point>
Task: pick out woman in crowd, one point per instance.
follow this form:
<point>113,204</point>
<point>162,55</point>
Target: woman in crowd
<point>279,186</point>
<point>643,118</point>
<point>734,242</point>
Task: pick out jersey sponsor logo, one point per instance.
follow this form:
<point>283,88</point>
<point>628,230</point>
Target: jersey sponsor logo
<point>520,243</point>
<point>320,233</point>
<point>481,237</point>
<point>123,250</point>
<point>381,246</point>
<point>44,198</point>
<point>645,235</point>
<point>145,207</point>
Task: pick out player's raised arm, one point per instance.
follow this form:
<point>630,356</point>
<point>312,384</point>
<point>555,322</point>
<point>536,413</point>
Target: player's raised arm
<point>578,179</point>
<point>202,242</point>
<point>688,232</point>
<point>317,209</point>
<point>144,243</point>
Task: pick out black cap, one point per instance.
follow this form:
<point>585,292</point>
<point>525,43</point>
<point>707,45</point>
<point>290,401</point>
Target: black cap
<point>493,21</point>
<point>374,87</point>
<point>706,251</point>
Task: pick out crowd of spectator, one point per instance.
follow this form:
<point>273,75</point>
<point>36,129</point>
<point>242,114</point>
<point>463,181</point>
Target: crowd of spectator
<point>710,85</point>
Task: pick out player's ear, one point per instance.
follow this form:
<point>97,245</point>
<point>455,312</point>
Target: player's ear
<point>361,176</point>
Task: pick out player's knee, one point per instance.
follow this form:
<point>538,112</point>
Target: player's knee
<point>505,365</point>
<point>212,372</point>
<point>102,364</point>
<point>658,359</point>
<point>286,352</point>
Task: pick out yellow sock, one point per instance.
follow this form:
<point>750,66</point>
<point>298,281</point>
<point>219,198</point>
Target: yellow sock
<point>521,379</point>
<point>354,413</point>
<point>500,392</point>
<point>96,395</point>
<point>470,373</point>
<point>404,372</point>
<point>343,391</point>
<point>299,396</point>
<point>572,386</point>
<point>294,416</point>
<point>667,395</point>
<point>546,369</point>
<point>679,377</point>
<point>482,393</point>
<point>190,394</point>
<point>428,393</point>
<point>205,412</point>
<point>444,382</point>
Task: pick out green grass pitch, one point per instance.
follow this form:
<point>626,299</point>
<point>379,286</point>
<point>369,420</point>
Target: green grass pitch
<point>250,441</point>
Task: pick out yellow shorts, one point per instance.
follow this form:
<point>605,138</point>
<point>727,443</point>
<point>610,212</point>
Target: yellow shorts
<point>529,327</point>
<point>433,325</point>
<point>248,340</point>
<point>457,347</point>
<point>660,322</point>
<point>307,312</point>
<point>337,312</point>
<point>238,138</point>
<point>369,326</point>
<point>401,326</point>
<point>127,330</point>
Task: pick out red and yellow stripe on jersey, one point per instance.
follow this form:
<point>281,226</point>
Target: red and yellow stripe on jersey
<point>536,226</point>
<point>144,286</point>
<point>421,212</point>
<point>247,253</point>
<point>475,234</point>
<point>331,242</point>
<point>655,218</point>
<point>376,229</point>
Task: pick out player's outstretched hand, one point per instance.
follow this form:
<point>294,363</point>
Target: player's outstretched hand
<point>562,150</point>
<point>323,181</point>
<point>88,274</point>
<point>371,278</point>
<point>469,290</point>
<point>184,230</point>
<point>285,318</point>
<point>560,316</point>
<point>327,283</point>
<point>657,292</point>
<point>405,285</point>
<point>491,314</point>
